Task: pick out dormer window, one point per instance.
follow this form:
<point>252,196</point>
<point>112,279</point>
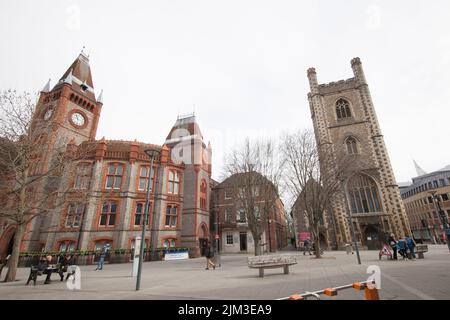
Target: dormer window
<point>84,87</point>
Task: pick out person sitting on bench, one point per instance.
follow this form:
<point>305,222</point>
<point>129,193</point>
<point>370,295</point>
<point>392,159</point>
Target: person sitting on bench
<point>64,262</point>
<point>45,267</point>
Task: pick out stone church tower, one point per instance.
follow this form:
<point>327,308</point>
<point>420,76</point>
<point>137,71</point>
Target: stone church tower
<point>345,123</point>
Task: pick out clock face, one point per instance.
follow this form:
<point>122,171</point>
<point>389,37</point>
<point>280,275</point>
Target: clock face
<point>48,114</point>
<point>78,119</point>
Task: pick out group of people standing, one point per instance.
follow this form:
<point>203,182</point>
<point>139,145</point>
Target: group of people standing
<point>404,246</point>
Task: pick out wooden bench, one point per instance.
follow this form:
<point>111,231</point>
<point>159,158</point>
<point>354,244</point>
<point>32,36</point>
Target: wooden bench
<point>270,262</point>
<point>420,250</point>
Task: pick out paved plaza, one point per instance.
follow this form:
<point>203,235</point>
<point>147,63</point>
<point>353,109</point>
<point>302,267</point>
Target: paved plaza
<point>188,279</point>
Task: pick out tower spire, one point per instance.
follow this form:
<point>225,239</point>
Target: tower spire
<point>419,170</point>
<point>68,79</point>
<point>100,97</point>
<point>47,86</point>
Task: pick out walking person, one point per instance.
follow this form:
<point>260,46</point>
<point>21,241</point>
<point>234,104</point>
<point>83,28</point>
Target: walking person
<point>306,247</point>
<point>101,260</point>
<point>209,254</point>
<point>393,244</point>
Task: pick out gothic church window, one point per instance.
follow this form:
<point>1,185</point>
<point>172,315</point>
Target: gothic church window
<point>343,109</point>
<point>364,196</point>
<point>351,145</point>
<point>203,195</point>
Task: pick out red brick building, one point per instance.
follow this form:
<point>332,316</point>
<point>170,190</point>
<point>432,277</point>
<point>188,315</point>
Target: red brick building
<point>229,221</point>
<point>107,189</point>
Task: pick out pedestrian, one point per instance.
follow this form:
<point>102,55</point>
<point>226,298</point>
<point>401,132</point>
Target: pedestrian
<point>411,244</point>
<point>307,247</point>
<point>102,255</point>
<point>4,263</point>
<point>402,248</point>
<point>393,244</point>
<point>209,254</point>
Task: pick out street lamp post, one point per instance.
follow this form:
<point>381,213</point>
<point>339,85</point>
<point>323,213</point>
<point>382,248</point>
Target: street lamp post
<point>349,210</point>
<point>152,153</point>
<point>442,216</point>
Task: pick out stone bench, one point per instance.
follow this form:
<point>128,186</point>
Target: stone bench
<point>270,262</point>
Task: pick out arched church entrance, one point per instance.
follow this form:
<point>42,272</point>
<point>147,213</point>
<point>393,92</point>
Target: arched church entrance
<point>203,239</point>
<point>372,237</point>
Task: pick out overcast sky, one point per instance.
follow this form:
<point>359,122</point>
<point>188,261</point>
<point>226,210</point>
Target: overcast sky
<point>242,64</point>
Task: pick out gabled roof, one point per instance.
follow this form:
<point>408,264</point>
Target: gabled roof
<point>79,76</point>
<point>184,127</point>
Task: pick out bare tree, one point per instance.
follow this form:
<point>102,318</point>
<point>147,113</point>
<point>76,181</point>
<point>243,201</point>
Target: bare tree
<point>312,183</point>
<point>256,172</point>
<point>29,173</point>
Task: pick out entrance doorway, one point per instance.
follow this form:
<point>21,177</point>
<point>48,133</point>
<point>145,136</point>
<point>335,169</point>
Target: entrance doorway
<point>372,238</point>
<point>203,243</point>
<point>243,241</point>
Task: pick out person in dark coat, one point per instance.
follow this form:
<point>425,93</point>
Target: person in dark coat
<point>209,254</point>
<point>393,244</point>
<point>307,247</point>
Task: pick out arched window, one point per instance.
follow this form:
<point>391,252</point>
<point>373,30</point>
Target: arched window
<point>108,215</point>
<point>174,182</point>
<point>363,192</point>
<point>66,246</point>
<point>343,109</point>
<point>114,176</point>
<point>74,215</point>
<point>351,145</point>
<point>143,178</point>
<point>140,212</point>
<point>203,195</point>
<point>171,216</point>
<point>82,176</point>
<point>169,243</point>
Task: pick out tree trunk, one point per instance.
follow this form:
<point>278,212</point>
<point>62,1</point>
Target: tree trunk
<point>14,259</point>
<point>317,245</point>
<point>257,247</point>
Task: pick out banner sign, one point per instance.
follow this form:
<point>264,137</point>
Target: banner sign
<point>302,236</point>
<point>180,255</point>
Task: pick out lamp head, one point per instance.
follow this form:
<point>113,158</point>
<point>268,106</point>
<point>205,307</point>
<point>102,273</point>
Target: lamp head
<point>152,153</point>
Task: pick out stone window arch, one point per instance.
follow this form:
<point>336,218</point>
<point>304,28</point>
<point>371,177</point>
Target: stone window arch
<point>363,194</point>
<point>351,145</point>
<point>343,109</point>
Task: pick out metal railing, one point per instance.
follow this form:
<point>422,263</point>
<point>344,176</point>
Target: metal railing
<point>371,292</point>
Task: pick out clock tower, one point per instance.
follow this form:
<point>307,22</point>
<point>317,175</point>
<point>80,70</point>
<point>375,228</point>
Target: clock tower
<point>66,114</point>
<point>69,111</point>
